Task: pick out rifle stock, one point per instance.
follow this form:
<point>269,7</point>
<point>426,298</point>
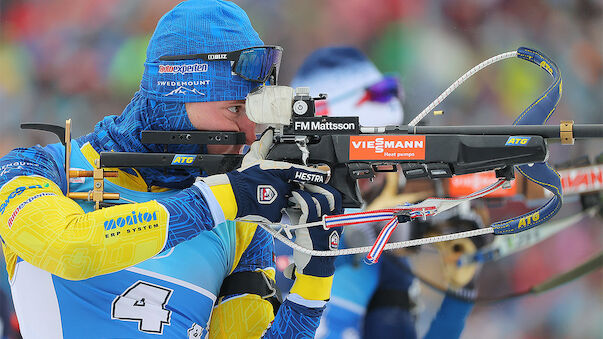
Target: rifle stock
<point>431,156</point>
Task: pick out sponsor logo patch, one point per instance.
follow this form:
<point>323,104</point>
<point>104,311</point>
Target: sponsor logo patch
<point>323,126</point>
<point>17,165</point>
<point>309,177</point>
<point>546,67</point>
<point>528,220</point>
<point>18,191</point>
<point>184,91</point>
<point>132,219</point>
<point>183,83</point>
<point>216,57</point>
<point>517,141</point>
<point>22,205</point>
<point>326,125</point>
<point>182,69</point>
<point>183,159</point>
<point>387,147</point>
<point>266,194</point>
<point>334,241</point>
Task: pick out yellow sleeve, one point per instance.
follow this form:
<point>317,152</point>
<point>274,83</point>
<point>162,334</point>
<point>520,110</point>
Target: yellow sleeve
<point>312,288</point>
<point>228,203</point>
<point>50,231</point>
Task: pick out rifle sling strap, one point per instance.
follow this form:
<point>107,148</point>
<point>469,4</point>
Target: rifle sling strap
<point>255,282</point>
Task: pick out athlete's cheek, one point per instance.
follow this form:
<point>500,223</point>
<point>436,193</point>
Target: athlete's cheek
<point>247,126</point>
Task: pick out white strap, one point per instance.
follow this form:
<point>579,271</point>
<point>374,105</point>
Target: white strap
<point>395,245</point>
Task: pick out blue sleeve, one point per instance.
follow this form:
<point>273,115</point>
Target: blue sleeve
<point>31,161</point>
<point>189,215</point>
<point>294,321</point>
<point>450,319</point>
<point>258,254</point>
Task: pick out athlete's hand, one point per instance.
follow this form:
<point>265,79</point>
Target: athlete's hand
<point>310,204</point>
<point>260,189</point>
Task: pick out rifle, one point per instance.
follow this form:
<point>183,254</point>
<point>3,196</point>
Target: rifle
<point>352,152</point>
<point>419,151</point>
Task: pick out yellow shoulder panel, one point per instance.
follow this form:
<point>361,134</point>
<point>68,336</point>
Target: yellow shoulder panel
<point>46,229</point>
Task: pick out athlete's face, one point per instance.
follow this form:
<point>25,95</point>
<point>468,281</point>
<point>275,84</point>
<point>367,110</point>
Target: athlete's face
<point>221,116</point>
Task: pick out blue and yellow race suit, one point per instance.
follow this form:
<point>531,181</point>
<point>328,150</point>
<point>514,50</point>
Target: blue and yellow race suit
<point>135,270</point>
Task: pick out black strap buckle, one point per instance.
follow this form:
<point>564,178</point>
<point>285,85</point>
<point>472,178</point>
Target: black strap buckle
<point>271,286</point>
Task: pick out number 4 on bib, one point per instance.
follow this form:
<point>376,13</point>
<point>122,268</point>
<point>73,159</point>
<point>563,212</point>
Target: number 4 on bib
<point>145,303</point>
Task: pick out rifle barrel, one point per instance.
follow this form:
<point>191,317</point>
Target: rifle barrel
<point>552,131</point>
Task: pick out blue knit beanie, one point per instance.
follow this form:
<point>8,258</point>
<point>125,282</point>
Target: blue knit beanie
<point>195,27</point>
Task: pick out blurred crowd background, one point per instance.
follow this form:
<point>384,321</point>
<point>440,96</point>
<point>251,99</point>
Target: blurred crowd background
<point>83,60</point>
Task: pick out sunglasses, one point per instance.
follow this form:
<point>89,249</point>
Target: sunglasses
<point>382,91</point>
<point>257,64</point>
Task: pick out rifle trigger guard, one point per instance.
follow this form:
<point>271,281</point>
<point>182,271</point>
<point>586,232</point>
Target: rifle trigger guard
<point>302,143</point>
